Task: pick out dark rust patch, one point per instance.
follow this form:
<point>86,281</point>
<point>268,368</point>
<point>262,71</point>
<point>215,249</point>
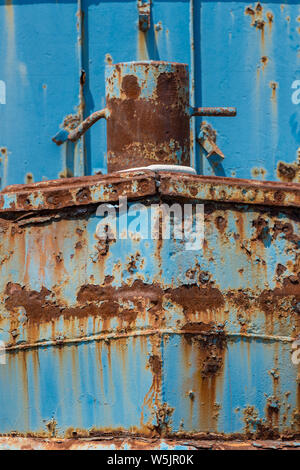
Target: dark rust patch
<point>84,195</point>
<point>58,198</point>
<point>107,301</point>
<point>131,87</point>
<point>197,299</point>
<point>212,363</point>
<point>287,230</point>
<point>155,364</point>
<point>270,300</point>
<point>262,229</point>
<point>221,223</point>
<point>280,269</point>
<point>167,88</point>
<point>288,171</point>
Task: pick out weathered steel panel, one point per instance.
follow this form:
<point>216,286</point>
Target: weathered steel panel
<point>236,51</point>
<point>139,335</point>
<point>249,53</point>
<point>39,63</point>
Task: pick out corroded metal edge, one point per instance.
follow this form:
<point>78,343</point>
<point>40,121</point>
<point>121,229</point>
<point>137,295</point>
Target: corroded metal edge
<point>68,192</point>
<point>223,189</point>
<point>115,443</point>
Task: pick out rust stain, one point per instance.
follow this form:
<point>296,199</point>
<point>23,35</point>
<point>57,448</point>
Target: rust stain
<point>221,223</point>
<point>255,427</point>
<point>273,86</point>
<point>270,18</point>
<point>289,171</point>
<point>264,60</point>
<point>258,172</point>
<point>29,178</point>
<point>121,441</point>
<point>137,145</point>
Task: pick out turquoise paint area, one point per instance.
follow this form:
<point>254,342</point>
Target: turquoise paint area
<point>232,62</point>
<point>221,402</point>
<point>107,386</point>
<point>233,72</point>
<point>39,64</point>
<point>86,386</point>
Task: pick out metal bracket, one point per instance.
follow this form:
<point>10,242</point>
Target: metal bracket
<point>144,8</point>
<point>207,139</point>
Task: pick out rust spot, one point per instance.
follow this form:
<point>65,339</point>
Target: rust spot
<point>239,299</point>
<point>249,11</point>
<point>258,172</point>
<point>262,229</point>
<point>287,230</point>
<point>270,18</point>
<point>66,173</point>
<point>273,86</point>
<point>280,269</point>
<point>55,198</point>
<point>196,299</point>
<point>221,223</point>
<point>288,171</point>
<point>258,8</point>
<point>108,59</point>
<point>155,364</point>
<point>255,427</point>
<point>212,363</point>
<point>270,301</point>
<point>167,88</point>
<point>29,178</point>
<point>163,415</point>
<point>131,87</point>
<point>71,121</point>
<point>83,195</point>
<point>264,60</point>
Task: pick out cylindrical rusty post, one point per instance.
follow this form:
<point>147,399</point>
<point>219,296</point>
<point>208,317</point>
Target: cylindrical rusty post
<point>147,112</point>
<point>149,115</point>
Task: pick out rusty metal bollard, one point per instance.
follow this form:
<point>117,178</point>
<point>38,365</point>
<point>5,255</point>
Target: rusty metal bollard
<point>147,112</point>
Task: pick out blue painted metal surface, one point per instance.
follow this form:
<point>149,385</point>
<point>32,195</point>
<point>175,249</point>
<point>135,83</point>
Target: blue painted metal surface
<point>236,52</point>
<point>142,336</point>
<point>138,335</point>
<point>244,52</point>
<point>40,66</point>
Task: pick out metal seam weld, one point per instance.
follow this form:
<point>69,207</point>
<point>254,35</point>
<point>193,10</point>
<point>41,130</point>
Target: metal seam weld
<point>111,336</point>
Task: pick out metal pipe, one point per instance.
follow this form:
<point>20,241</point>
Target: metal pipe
<point>213,111</point>
<point>63,135</point>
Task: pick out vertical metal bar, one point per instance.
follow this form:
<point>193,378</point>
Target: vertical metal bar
<point>80,156</point>
<point>192,85</point>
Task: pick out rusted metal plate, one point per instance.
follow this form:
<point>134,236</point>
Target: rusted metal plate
<point>113,443</point>
<point>210,188</point>
<point>141,336</point>
<point>67,192</point>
